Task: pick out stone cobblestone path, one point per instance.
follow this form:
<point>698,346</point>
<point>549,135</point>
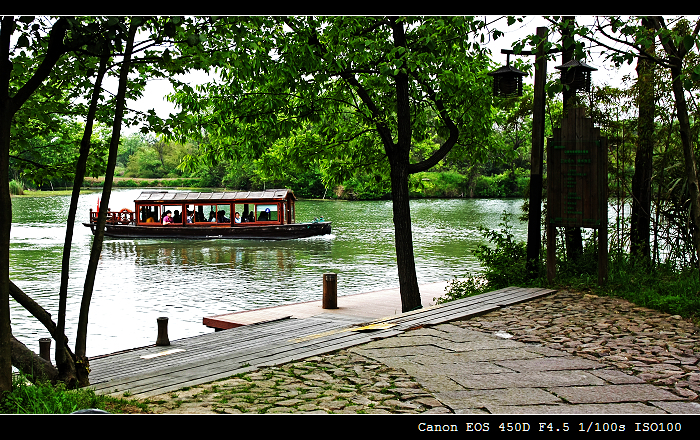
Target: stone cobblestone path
<point>570,352</point>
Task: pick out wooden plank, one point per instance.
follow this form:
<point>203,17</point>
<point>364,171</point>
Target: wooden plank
<point>187,375</point>
<point>241,356</point>
<point>210,347</point>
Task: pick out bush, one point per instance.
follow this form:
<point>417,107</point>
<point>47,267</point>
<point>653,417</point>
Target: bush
<point>16,188</point>
<point>44,398</point>
<point>442,184</point>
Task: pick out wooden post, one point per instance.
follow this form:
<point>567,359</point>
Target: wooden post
<point>162,332</point>
<point>535,205</point>
<point>330,291</point>
<point>45,348</point>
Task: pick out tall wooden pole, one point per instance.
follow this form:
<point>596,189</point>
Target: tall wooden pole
<point>535,209</point>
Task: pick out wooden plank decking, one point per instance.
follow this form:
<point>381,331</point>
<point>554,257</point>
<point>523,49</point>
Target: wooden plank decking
<point>367,306</point>
<point>192,361</point>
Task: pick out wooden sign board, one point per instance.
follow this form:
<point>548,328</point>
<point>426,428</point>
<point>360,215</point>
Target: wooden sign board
<point>577,173</point>
<point>577,185</point>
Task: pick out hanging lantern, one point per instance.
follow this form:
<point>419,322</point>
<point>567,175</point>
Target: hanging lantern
<point>576,75</point>
<point>507,81</point>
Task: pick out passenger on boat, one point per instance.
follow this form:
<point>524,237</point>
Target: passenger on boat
<point>222,217</point>
<point>237,218</point>
<point>212,217</point>
<point>265,215</point>
<point>177,218</point>
<point>190,216</point>
<point>251,217</point>
<point>167,219</point>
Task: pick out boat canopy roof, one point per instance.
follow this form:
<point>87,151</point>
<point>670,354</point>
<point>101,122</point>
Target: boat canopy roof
<point>170,196</point>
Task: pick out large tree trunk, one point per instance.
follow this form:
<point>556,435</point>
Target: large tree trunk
<point>8,107</point>
<point>5,207</point>
<point>641,181</point>
<point>403,236</point>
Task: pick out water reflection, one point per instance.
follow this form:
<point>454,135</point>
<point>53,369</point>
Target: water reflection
<point>186,280</point>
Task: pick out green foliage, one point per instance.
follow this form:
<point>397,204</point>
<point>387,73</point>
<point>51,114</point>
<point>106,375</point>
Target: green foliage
<point>506,184</point>
<point>16,188</point>
<point>665,287</point>
<point>44,398</point>
<point>441,184</point>
<point>322,104</point>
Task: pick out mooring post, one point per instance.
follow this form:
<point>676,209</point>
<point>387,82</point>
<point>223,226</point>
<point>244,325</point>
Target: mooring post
<point>330,291</point>
<point>45,348</point>
<point>162,332</point>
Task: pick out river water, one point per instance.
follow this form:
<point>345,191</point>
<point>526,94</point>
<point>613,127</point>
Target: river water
<point>186,280</point>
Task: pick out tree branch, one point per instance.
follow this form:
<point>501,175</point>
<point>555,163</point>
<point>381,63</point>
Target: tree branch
<point>56,49</point>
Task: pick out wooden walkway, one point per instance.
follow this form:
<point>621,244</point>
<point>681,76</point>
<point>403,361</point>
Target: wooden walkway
<point>367,306</point>
<point>150,371</point>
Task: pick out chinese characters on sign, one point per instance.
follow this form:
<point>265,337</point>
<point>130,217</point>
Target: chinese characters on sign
<point>577,182</point>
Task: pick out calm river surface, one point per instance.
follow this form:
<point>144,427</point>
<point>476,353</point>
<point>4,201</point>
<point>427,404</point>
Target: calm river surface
<point>186,280</point>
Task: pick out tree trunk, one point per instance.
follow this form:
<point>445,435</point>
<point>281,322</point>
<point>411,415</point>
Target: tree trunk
<point>403,236</point>
<point>102,216</point>
<point>8,107</point>
<point>691,168</point>
<point>82,368</point>
<point>31,365</point>
<point>641,181</point>
<point>5,207</point>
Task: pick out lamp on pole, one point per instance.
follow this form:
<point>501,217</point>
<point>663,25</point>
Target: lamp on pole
<point>534,239</point>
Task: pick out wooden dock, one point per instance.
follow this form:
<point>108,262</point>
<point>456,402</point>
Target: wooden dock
<point>201,359</point>
<point>364,306</point>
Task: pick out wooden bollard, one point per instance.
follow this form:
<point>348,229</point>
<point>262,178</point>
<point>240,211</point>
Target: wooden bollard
<point>162,332</point>
<point>330,291</point>
<point>45,348</point>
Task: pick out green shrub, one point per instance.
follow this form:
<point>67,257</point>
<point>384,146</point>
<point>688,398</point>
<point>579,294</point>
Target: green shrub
<point>44,398</point>
<point>16,188</point>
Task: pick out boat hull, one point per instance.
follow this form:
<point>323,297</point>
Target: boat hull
<point>263,232</point>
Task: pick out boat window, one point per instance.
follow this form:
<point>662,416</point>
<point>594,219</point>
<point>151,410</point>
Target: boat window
<point>266,213</point>
<point>246,211</point>
<point>205,213</point>
<point>223,213</point>
<point>149,214</point>
<point>238,209</point>
<point>175,213</point>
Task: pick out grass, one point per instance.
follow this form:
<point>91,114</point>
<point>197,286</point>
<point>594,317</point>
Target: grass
<point>16,188</point>
<point>44,398</point>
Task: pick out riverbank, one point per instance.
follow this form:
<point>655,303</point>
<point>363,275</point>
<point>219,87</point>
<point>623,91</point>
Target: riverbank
<point>636,346</point>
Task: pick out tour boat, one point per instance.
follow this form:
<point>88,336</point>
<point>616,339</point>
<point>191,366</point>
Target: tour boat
<point>267,214</point>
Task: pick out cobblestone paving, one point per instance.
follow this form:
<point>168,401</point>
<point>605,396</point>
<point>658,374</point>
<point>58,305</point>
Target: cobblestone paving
<point>337,383</point>
<point>660,349</point>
